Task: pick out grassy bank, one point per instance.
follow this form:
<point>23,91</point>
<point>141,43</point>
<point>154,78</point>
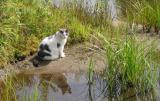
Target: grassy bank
<point>25,23</point>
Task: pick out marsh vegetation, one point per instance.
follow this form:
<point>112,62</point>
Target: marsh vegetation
<point>132,60</point>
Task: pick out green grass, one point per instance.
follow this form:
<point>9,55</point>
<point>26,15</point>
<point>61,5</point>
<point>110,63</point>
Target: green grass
<point>144,12</point>
<point>90,71</point>
<point>129,64</point>
<point>26,23</point>
<point>8,89</point>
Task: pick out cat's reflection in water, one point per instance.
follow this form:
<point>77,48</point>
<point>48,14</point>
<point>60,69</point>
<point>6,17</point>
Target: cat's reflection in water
<point>57,79</point>
<point>26,83</point>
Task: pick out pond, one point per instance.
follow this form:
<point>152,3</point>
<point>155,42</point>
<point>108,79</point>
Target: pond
<point>70,87</point>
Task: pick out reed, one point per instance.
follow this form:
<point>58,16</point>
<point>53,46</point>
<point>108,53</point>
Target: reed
<point>144,12</point>
<point>129,64</point>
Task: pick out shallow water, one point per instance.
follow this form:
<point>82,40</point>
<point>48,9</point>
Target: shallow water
<point>71,87</point>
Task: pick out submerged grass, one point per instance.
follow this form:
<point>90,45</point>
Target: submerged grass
<point>10,86</point>
<point>8,89</point>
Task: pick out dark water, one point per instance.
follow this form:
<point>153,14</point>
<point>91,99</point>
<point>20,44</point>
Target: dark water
<point>71,87</point>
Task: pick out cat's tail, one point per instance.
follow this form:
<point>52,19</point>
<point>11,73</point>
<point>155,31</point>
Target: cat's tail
<point>36,60</point>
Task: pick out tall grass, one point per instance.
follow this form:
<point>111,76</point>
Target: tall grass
<point>129,64</point>
<point>145,12</point>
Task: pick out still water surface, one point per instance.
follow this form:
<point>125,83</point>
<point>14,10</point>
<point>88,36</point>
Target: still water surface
<point>72,87</point>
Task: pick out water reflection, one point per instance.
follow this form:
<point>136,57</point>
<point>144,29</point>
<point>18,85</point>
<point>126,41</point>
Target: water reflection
<point>46,86</point>
<point>71,87</point>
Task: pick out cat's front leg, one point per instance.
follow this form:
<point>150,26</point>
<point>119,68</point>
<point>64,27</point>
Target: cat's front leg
<point>62,54</point>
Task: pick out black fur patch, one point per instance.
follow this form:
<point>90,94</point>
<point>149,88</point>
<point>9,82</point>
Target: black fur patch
<point>42,54</point>
<point>58,45</point>
<point>44,47</point>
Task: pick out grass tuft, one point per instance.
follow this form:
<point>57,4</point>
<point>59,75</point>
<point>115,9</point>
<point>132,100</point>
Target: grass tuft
<point>129,64</point>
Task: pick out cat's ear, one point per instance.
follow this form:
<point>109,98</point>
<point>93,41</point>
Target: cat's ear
<point>61,31</point>
<point>67,31</point>
<point>56,33</point>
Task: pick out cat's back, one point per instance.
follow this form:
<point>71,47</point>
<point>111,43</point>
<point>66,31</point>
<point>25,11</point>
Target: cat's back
<point>48,40</point>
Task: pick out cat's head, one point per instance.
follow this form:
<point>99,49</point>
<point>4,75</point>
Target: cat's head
<point>64,33</point>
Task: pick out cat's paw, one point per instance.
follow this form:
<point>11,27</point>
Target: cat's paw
<point>63,55</point>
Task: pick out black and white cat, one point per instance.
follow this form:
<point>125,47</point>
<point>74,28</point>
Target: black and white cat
<point>52,47</point>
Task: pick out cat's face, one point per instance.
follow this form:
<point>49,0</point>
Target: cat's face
<point>64,33</point>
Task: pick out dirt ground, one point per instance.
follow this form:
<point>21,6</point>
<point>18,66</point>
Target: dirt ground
<point>77,59</point>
